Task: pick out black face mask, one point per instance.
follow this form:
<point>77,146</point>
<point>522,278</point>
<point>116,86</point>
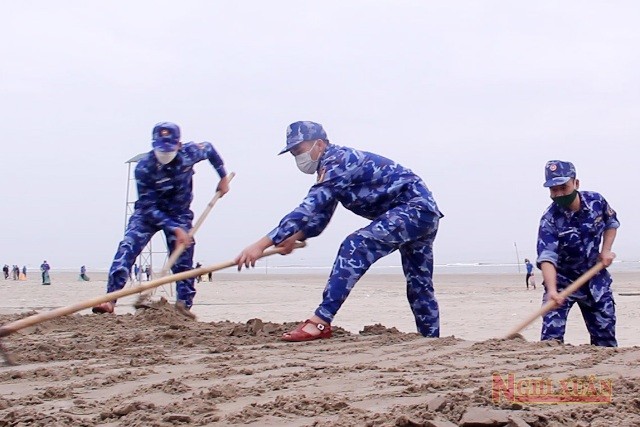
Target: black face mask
<point>565,201</point>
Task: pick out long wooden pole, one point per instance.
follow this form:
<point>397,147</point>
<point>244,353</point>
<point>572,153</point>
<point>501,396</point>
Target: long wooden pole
<point>551,304</point>
<point>63,311</point>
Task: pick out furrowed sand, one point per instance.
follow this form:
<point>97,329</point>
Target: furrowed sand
<point>155,367</point>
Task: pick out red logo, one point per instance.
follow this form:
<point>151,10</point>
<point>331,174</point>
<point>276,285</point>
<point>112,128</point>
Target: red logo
<point>546,390</point>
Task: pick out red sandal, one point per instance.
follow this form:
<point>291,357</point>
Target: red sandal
<point>298,334</point>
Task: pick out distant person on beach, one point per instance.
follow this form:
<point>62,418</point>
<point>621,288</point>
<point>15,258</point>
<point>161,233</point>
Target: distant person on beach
<point>83,274</point>
<point>44,269</point>
<point>147,272</point>
<point>5,270</point>
<point>210,276</point>
<point>529,278</point>
<point>136,272</point>
<point>164,178</point>
<point>24,273</point>
<point>403,214</point>
<point>576,231</point>
<point>15,274</point>
<point>199,278</point>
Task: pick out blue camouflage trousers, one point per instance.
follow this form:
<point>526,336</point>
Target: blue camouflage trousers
<point>410,229</point>
<point>599,317</point>
<point>138,234</point>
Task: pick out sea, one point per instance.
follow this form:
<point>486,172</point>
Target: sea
<point>450,268</point>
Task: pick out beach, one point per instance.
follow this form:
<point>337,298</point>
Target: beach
<point>156,367</point>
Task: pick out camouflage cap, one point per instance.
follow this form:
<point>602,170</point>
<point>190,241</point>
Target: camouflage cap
<point>303,131</point>
<point>557,172</point>
<point>166,136</point>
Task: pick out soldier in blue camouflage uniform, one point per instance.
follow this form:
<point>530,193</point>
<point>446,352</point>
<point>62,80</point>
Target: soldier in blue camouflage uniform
<point>571,232</point>
<point>404,216</point>
<point>164,180</point>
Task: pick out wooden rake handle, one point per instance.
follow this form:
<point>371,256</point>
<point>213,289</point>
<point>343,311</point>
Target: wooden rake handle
<point>181,248</point>
<point>63,311</point>
<point>551,304</point>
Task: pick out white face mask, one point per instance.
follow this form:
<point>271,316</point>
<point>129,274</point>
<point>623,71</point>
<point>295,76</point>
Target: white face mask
<point>165,157</point>
<point>305,163</point>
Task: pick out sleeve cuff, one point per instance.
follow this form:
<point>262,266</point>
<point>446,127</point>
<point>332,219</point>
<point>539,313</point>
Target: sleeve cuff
<point>547,256</point>
<point>273,235</point>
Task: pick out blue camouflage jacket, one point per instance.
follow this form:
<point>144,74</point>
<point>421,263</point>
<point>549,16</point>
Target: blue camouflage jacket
<point>571,240</point>
<point>165,192</point>
<point>365,183</point>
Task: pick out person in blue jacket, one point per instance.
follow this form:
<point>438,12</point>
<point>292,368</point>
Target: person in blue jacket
<point>165,191</point>
<point>529,274</point>
<point>403,214</point>
<point>44,270</point>
<point>576,231</point>
<point>83,274</point>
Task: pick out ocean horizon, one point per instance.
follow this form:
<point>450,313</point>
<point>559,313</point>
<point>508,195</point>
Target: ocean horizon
<point>445,268</point>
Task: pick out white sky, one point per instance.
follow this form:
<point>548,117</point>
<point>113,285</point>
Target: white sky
<point>473,96</point>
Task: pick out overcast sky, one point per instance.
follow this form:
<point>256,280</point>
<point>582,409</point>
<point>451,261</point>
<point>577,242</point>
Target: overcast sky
<point>474,96</point>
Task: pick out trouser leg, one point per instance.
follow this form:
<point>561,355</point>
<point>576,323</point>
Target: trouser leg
<point>135,239</point>
<point>417,263</point>
<point>600,319</point>
<point>554,322</point>
<point>356,254</point>
<point>185,289</point>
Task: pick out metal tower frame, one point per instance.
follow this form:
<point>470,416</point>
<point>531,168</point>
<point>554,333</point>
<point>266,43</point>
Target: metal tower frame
<point>148,254</point>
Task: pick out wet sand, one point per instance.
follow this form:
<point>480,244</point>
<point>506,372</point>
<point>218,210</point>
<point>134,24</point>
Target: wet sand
<point>155,367</point>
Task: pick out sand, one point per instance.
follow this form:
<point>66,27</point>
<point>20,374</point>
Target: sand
<point>155,367</point>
